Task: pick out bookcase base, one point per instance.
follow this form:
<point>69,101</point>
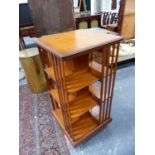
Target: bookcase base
<point>76,143</point>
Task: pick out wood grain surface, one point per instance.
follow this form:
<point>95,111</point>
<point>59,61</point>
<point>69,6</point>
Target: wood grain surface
<point>74,42</point>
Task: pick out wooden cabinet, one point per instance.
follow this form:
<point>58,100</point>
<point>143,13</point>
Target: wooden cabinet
<point>80,107</point>
<point>128,19</point>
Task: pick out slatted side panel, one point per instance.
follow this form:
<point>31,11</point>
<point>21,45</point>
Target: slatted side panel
<point>49,60</point>
<point>109,64</point>
<point>58,66</point>
<point>46,63</point>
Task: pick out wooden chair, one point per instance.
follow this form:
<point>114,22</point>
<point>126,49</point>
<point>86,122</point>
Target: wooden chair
<point>109,21</point>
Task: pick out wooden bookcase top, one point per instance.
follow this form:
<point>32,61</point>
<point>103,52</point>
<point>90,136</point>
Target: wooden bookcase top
<point>68,44</point>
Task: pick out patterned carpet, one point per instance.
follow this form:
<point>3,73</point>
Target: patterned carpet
<point>39,133</point>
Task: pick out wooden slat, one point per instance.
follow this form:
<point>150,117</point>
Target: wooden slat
<point>102,84</point>
<point>110,79</point>
<point>107,56</point>
<point>45,62</point>
<point>59,77</point>
<point>113,78</point>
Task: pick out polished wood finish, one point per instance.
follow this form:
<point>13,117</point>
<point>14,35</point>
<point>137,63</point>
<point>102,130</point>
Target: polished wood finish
<point>73,43</point>
<point>74,94</point>
<point>78,63</point>
<point>76,82</point>
<point>86,135</point>
<point>50,72</point>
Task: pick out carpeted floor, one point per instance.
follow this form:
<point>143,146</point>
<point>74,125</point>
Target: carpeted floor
<point>39,131</point>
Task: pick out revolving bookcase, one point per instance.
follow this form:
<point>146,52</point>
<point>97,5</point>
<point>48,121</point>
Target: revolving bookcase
<point>81,94</point>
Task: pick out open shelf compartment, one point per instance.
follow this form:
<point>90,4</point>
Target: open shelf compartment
<point>78,105</point>
<point>50,72</point>
<point>80,79</point>
<point>81,126</point>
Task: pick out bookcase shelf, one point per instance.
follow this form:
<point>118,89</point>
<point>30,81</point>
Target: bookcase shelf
<point>74,81</point>
<point>50,72</point>
<point>84,125</point>
<point>80,126</point>
<point>79,80</point>
<point>80,106</point>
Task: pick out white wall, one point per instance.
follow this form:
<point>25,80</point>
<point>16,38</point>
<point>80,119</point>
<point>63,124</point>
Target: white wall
<point>105,5</point>
<point>93,6</point>
<point>23,1</point>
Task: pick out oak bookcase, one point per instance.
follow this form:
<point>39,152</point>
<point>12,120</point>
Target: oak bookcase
<point>79,105</point>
